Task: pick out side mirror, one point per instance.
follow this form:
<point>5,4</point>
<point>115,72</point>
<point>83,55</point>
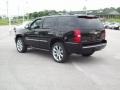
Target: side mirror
<point>27,27</point>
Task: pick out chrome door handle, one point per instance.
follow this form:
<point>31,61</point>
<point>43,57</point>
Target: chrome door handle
<point>36,32</point>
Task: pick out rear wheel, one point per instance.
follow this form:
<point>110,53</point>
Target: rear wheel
<point>87,54</point>
<point>20,45</point>
<point>59,53</point>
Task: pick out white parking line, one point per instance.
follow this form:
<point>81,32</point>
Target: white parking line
<point>91,76</point>
<point>77,67</point>
<point>117,56</point>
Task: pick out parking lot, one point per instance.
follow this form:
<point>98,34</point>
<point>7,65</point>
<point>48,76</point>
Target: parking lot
<point>36,70</point>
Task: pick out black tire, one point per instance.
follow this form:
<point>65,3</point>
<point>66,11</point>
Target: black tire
<point>20,45</point>
<point>61,55</point>
<point>117,28</point>
<point>87,54</point>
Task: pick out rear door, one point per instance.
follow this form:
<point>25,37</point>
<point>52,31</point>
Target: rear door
<point>47,31</point>
<point>66,24</point>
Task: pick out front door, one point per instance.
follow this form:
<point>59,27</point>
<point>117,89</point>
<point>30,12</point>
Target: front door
<point>33,36</point>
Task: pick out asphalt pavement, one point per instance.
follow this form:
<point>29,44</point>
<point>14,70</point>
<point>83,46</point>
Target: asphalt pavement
<point>36,70</point>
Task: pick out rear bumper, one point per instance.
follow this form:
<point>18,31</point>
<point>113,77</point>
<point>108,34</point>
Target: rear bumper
<point>96,47</point>
<point>79,48</point>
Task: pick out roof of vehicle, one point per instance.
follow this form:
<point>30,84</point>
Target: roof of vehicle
<point>80,16</point>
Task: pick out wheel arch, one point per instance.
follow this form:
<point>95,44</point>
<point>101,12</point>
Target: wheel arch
<point>18,36</point>
<point>54,40</point>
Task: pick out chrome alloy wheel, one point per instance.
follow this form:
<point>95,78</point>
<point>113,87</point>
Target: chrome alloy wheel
<point>57,53</point>
<point>19,45</point>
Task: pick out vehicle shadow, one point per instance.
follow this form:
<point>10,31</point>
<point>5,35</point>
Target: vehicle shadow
<point>85,60</point>
<point>73,58</point>
<point>39,52</point>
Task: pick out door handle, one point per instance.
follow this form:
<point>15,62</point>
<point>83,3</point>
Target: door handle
<point>50,33</point>
<point>36,32</point>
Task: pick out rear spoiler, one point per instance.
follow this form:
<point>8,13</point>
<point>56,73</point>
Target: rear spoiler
<point>88,17</point>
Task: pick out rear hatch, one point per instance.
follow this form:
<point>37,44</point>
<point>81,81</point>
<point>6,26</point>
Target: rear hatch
<point>92,29</point>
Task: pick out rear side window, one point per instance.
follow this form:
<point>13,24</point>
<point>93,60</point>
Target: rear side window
<point>49,22</point>
<point>66,23</point>
<point>91,23</point>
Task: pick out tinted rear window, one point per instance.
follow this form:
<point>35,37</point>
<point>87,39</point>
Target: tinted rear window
<point>91,23</point>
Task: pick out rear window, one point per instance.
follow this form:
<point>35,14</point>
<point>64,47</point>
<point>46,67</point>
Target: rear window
<point>91,23</point>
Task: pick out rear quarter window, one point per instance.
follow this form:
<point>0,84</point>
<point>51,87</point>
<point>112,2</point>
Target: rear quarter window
<point>66,23</point>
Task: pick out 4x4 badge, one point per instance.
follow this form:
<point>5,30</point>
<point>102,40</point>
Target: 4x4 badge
<point>95,32</point>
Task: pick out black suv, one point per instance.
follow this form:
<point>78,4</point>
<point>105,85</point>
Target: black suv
<point>62,35</point>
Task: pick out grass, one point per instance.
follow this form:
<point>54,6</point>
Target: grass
<point>6,22</point>
<point>114,20</point>
<point>3,22</point>
<point>19,21</point>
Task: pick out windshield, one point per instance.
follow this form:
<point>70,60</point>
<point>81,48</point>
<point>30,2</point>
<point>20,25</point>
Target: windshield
<point>25,23</point>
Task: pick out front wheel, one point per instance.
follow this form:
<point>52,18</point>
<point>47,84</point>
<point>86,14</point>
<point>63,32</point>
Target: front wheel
<point>20,45</point>
<point>59,52</point>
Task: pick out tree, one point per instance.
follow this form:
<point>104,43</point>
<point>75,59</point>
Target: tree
<point>118,9</point>
<point>42,13</point>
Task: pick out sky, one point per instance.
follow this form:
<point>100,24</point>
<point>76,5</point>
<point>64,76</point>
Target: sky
<point>20,7</point>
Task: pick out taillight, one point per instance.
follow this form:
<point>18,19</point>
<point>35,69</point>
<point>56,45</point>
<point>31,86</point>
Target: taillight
<point>77,36</point>
<point>103,34</point>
